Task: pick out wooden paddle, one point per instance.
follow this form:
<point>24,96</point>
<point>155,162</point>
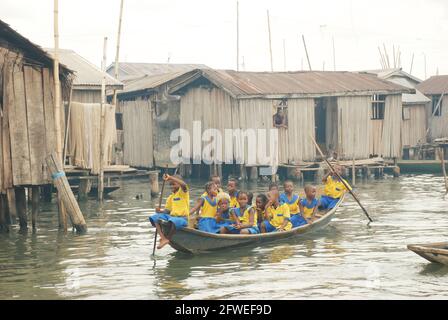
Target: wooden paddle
<point>160,204</point>
<point>341,179</point>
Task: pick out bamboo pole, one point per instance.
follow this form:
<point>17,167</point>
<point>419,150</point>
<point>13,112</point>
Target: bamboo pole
<point>270,42</point>
<point>237,37</point>
<point>387,56</point>
<point>284,55</point>
<point>334,55</point>
<point>330,166</point>
<point>117,53</point>
<point>67,127</point>
<point>306,51</point>
<point>412,63</point>
<point>102,126</point>
<point>57,110</point>
<point>65,192</point>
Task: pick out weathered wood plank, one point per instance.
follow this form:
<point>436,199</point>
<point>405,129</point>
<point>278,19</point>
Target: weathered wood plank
<point>50,129</point>
<point>8,103</point>
<point>36,123</point>
<point>20,152</point>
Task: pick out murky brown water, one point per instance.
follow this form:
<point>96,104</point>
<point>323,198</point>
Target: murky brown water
<point>346,260</point>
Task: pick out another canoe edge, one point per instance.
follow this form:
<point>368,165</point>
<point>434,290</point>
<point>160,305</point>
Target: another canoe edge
<point>194,241</point>
<point>433,252</point>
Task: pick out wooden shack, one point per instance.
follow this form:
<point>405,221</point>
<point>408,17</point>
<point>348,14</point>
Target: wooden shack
<point>83,113</point>
<point>27,120</point>
<point>436,89</point>
<point>414,125</point>
<point>351,115</point>
<point>146,115</point>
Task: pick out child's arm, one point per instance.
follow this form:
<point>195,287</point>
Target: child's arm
<point>235,218</point>
<point>218,215</point>
<point>284,224</point>
<point>182,183</point>
<point>324,179</point>
<point>197,206</point>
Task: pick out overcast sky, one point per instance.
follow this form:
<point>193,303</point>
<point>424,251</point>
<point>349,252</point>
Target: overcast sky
<point>204,31</point>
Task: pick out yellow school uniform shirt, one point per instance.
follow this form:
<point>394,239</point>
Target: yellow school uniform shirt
<point>178,203</point>
<point>209,207</point>
<point>234,201</point>
<point>278,215</point>
<point>245,219</point>
<point>335,188</point>
<point>293,204</point>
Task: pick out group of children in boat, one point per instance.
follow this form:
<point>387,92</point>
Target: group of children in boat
<point>233,212</point>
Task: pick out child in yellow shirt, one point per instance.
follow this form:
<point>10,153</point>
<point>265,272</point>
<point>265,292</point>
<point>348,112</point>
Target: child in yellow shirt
<point>277,215</point>
<point>176,210</point>
<point>334,189</point>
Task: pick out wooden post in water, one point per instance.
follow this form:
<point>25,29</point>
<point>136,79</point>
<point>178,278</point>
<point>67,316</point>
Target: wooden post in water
<point>34,205</point>
<point>11,204</point>
<point>442,160</point>
<point>353,171</point>
<point>154,182</point>
<point>67,197</point>
<point>85,186</point>
<point>21,208</point>
<point>253,173</point>
<point>57,110</point>
<point>102,124</point>
<point>3,212</point>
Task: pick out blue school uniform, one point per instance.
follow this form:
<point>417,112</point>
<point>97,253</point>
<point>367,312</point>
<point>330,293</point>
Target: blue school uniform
<point>179,222</point>
<point>207,221</point>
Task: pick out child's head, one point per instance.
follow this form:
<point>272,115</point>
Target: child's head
<point>288,186</point>
<point>216,179</point>
<point>261,201</point>
<point>310,191</point>
<point>273,195</point>
<point>175,185</point>
<point>211,188</point>
<point>250,197</point>
<point>223,201</point>
<point>338,169</point>
<point>232,185</point>
<point>243,199</point>
<point>273,186</point>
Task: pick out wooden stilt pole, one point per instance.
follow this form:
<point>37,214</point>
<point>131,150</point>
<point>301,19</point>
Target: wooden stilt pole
<point>237,36</point>
<point>270,42</point>
<point>102,125</point>
<point>3,213</point>
<point>306,52</point>
<point>12,208</point>
<point>34,206</point>
<point>21,208</point>
<point>57,110</point>
<point>65,193</point>
<point>117,53</point>
<point>442,160</point>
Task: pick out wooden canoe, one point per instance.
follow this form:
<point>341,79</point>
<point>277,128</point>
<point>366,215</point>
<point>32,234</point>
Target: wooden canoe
<point>192,241</point>
<point>433,252</point>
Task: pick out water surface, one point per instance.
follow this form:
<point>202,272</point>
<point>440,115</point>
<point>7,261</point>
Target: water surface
<point>347,260</point>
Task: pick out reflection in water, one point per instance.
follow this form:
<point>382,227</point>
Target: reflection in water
<point>348,259</point>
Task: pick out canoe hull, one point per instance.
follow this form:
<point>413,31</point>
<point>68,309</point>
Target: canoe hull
<point>193,241</point>
<point>436,252</point>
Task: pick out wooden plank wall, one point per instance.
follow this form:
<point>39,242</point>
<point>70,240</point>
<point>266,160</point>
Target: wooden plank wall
<point>86,96</point>
<point>354,127</point>
<point>391,136</point>
<point>27,123</point>
<point>137,133</point>
<point>84,136</point>
<point>438,125</point>
<point>414,128</point>
<point>216,109</point>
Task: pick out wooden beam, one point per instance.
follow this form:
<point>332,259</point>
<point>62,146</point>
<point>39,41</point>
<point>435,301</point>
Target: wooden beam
<point>117,52</point>
<point>306,51</point>
<point>270,42</point>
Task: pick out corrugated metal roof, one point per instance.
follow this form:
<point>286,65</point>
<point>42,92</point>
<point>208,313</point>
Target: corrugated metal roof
<point>302,83</point>
<point>149,82</point>
<point>129,71</point>
<point>434,85</point>
<point>31,50</point>
<point>86,73</point>
<point>402,78</point>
